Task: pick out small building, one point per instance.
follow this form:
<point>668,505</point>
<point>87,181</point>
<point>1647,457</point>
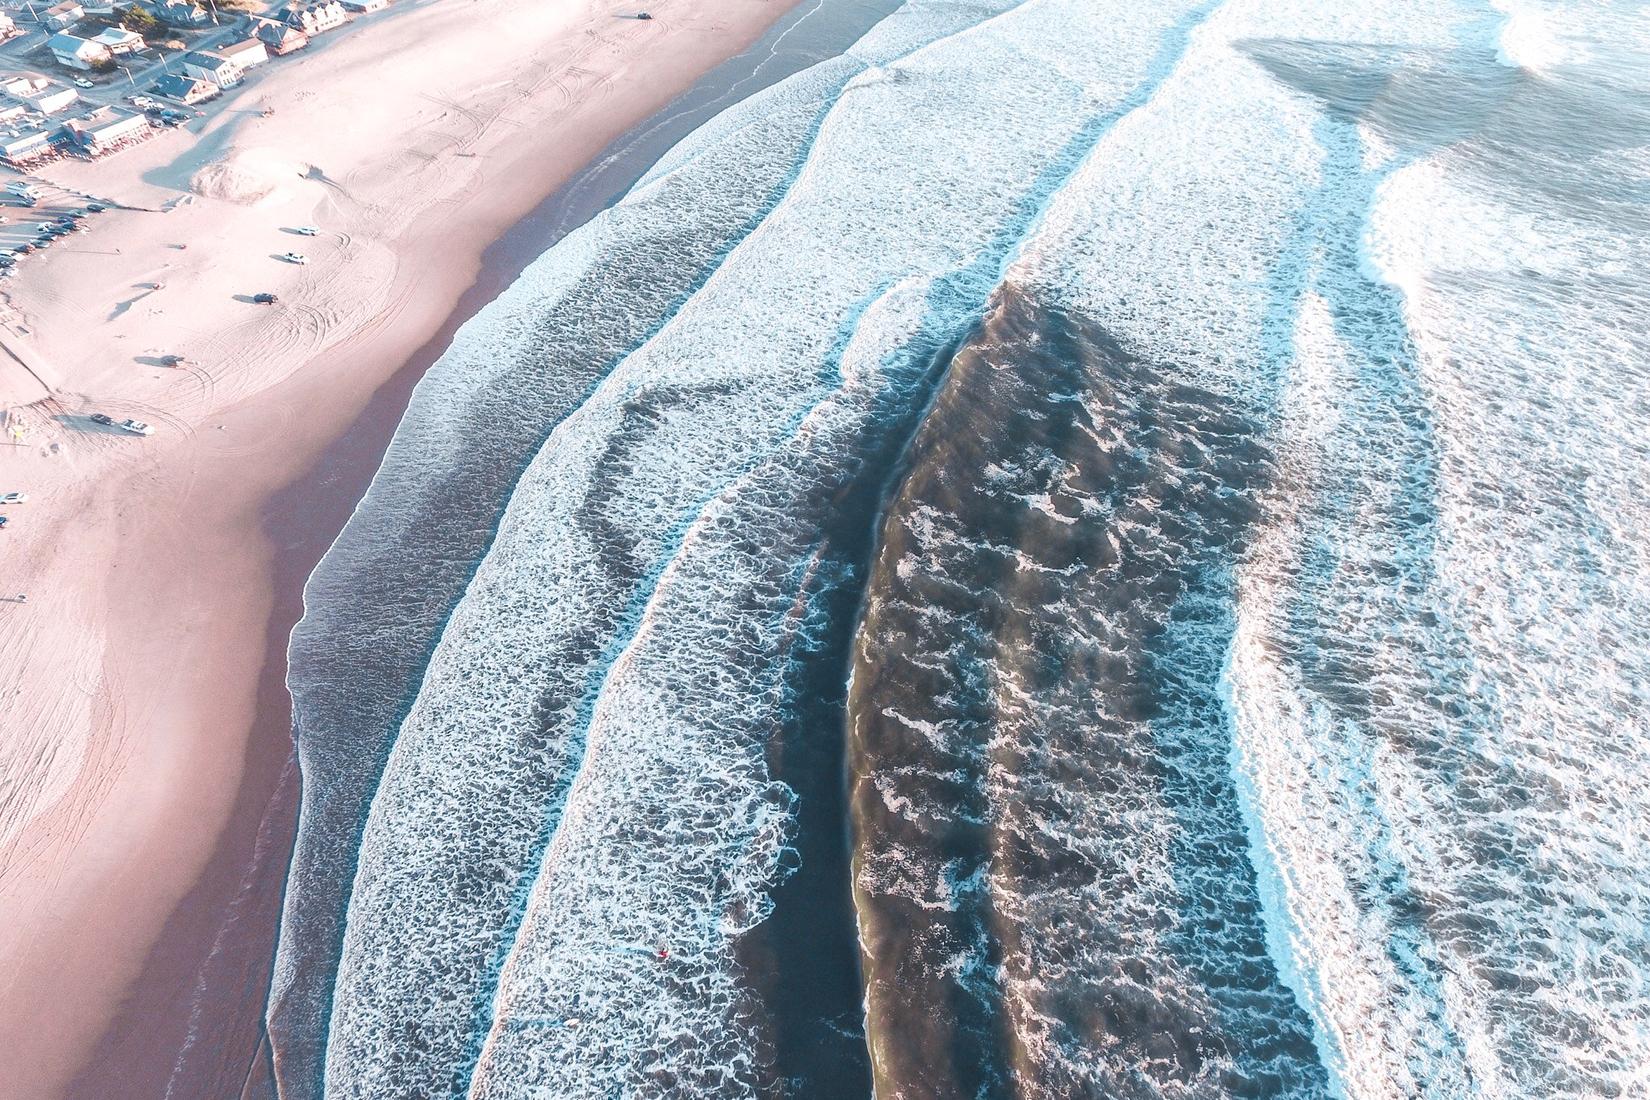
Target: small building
<point>106,128</point>
<point>78,53</point>
<point>8,27</point>
<point>22,85</point>
<point>245,53</point>
<point>182,13</point>
<point>281,39</point>
<point>363,7</point>
<point>315,17</point>
<point>62,16</point>
<point>49,98</point>
<point>207,65</point>
<point>184,89</point>
<point>26,146</point>
<point>119,40</point>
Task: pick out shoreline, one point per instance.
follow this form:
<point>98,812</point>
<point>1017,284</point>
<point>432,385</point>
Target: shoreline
<point>222,566</point>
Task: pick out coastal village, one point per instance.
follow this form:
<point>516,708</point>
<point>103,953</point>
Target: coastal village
<point>89,81</point>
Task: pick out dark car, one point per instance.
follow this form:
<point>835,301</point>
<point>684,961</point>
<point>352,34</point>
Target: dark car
<point>103,418</point>
<point>95,208</point>
<point>24,249</point>
<point>3,521</point>
<point>265,298</point>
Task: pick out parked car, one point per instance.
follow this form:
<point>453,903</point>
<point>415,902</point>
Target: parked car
<point>13,498</point>
<point>136,427</point>
<point>265,298</point>
<point>295,258</point>
<point>95,208</point>
<point>103,418</point>
<point>306,230</point>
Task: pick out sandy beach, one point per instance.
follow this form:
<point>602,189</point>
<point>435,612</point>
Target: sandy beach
<point>146,790</point>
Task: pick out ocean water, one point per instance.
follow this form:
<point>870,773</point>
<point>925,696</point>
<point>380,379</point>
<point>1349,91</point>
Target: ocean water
<point>1072,549</point>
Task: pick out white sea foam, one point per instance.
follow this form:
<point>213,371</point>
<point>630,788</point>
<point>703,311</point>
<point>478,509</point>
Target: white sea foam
<point>1434,647</point>
<point>539,690</point>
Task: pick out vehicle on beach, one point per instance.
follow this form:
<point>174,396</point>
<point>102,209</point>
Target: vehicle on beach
<point>95,208</point>
<point>4,521</point>
<point>136,427</point>
<point>13,498</point>
<point>306,230</point>
<point>295,258</point>
<point>265,298</point>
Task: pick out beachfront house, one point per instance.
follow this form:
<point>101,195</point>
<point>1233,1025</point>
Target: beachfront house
<point>119,40</point>
<point>64,15</point>
<point>207,65</point>
<point>184,89</point>
<point>363,7</point>
<point>29,145</point>
<point>245,53</point>
<point>279,38</point>
<point>314,18</point>
<point>106,128</point>
<point>79,53</point>
<point>182,13</point>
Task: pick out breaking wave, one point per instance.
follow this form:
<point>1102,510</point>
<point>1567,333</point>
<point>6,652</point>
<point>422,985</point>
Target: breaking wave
<point>1185,465</point>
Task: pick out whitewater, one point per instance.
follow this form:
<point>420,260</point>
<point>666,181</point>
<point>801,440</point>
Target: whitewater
<point>1126,524</point>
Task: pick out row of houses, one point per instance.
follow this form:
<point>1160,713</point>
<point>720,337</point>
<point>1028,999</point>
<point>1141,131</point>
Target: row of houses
<point>95,133</point>
<point>206,72</point>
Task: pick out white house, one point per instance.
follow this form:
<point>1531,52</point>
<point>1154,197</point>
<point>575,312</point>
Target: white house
<point>51,98</point>
<point>313,18</point>
<point>206,65</point>
<point>119,40</point>
<point>65,15</point>
<point>105,128</point>
<point>182,13</point>
<point>245,53</point>
<point>78,53</point>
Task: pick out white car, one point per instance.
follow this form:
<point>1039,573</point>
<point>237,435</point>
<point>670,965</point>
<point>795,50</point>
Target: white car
<point>13,498</point>
<point>136,427</point>
<point>82,82</point>
<point>306,230</point>
<point>295,258</point>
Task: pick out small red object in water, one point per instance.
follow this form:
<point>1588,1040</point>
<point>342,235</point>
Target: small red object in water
<point>664,953</point>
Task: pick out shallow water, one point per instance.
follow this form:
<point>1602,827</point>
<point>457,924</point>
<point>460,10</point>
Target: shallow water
<point>1132,516</point>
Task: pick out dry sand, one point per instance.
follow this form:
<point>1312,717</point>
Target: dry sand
<point>136,751</point>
